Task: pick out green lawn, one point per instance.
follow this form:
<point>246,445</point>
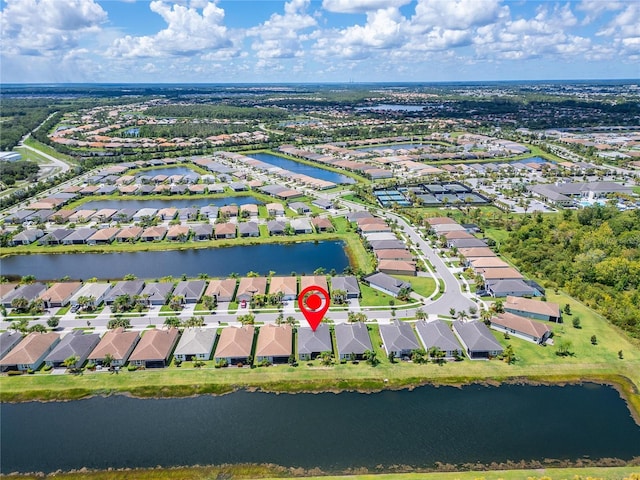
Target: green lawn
<point>424,286</point>
<point>374,298</point>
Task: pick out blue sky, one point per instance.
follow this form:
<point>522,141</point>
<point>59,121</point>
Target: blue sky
<point>211,41</point>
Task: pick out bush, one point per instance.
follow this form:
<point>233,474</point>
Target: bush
<point>30,371</point>
<point>132,368</point>
<point>13,373</point>
<point>47,368</point>
<point>91,366</point>
<point>576,322</point>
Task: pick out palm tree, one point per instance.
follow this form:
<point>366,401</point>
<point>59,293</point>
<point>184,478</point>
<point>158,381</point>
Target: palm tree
<point>108,360</point>
<point>175,303</point>
<point>326,358</point>
<point>371,357</point>
<point>172,322</point>
<point>72,363</point>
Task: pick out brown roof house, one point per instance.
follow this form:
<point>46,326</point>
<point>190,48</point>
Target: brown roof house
<point>59,294</point>
<point>154,348</point>
<point>536,309</point>
<point>521,327</point>
<point>275,343</point>
<point>223,290</point>
<point>30,352</point>
<point>287,285</point>
<point>225,230</point>
<point>234,345</point>
<point>397,267</point>
<point>314,281</point>
<point>118,343</point>
<point>250,286</point>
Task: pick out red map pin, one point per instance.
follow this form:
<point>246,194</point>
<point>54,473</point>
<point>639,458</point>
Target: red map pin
<point>315,305</point>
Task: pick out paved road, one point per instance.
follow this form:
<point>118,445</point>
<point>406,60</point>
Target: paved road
<point>63,166</point>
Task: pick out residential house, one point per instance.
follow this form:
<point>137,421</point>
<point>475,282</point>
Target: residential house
<point>248,229</point>
<point>288,286</point>
<point>195,344</point>
<point>167,213</point>
<point>505,273</point>
<point>209,211</point>
<point>276,227</point>
<point>352,340</point>
<point>238,186</point>
<point>190,290</point>
<point>30,352</point>
<point>124,287</point>
<point>514,288</point>
<point>536,309</point>
<point>223,290</point>
<point>386,283</point>
<point>477,339</point>
<point>6,288</point>
<point>94,291</point>
<point>103,236</point>
<point>74,344</point>
<point>346,283</point>
<point>477,252</point>
<point>378,236</point>
<point>355,216</point>
<point>118,343</point>
<point>56,237</point>
<point>225,230</point>
<point>275,343</point>
<point>235,344</point>
<point>8,340</point>
<point>144,213</point>
<point>398,338</point>
<point>129,234</point>
<point>311,344</point>
<point>229,211</point>
<point>301,225</point>
<point>275,209</point>
<point>154,348</point>
<point>82,216</point>
<point>104,214</point>
<point>322,203</point>
<point>250,208</point>
<point>156,293</point>
<point>250,286</point>
<point>29,292</point>
<point>397,267</point>
<point>187,213</point>
<point>521,327</point>
<point>438,334</point>
<point>178,233</point>
<point>27,237</point>
<point>299,207</point>
<point>124,215</point>
<point>466,243</point>
<point>79,237</point>
<point>393,254</point>
<point>59,294</point>
<point>152,234</point>
<point>487,262</point>
<point>322,224</point>
<point>387,245</point>
<point>307,281</point>
<point>374,228</point>
<point>202,231</point>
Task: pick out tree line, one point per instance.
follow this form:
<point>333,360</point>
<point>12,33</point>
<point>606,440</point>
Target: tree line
<point>217,111</point>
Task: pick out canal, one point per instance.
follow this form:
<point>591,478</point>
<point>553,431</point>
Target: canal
<point>303,168</point>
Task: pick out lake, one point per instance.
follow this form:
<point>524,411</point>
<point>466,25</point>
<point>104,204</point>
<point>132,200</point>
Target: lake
<point>168,203</point>
<point>302,168</point>
<point>392,108</point>
<point>168,171</point>
<point>396,146</point>
<point>303,257</point>
<point>329,431</point>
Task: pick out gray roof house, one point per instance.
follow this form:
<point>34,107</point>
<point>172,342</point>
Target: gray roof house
<point>386,283</point>
<point>209,211</point>
<point>311,344</point>
<point>75,343</point>
<point>438,334</point>
<point>55,237</point>
<point>124,287</point>
<point>322,203</point>
<point>248,229</point>
<point>26,237</point>
<point>477,339</point>
<point>348,283</point>
<point>79,237</point>
<point>398,337</point>
<point>8,340</point>
<point>156,293</point>
<point>276,227</point>
<point>97,291</point>
<point>513,288</point>
<point>195,343</point>
<point>301,225</point>
<point>299,207</point>
<point>191,290</point>
<point>30,292</point>
<point>352,339</point>
<point>202,231</point>
<point>387,245</point>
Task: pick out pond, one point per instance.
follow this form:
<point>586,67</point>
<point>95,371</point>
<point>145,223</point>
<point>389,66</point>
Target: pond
<point>330,431</point>
<point>303,257</point>
<point>302,168</point>
<point>168,203</point>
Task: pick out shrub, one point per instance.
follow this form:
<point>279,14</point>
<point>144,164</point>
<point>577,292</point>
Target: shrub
<point>30,371</point>
<point>13,373</point>
<point>47,368</point>
<point>132,368</point>
<point>91,366</point>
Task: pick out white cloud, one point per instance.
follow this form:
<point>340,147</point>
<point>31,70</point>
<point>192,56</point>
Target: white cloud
<point>595,8</point>
<point>360,6</point>
<point>188,32</point>
<point>46,27</point>
<point>456,14</point>
<point>624,29</point>
<point>280,36</point>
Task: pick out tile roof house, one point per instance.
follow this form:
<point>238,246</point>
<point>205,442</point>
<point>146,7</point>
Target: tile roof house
<point>195,343</point>
<point>153,234</point>
<point>79,237</point>
<point>29,292</point>
<point>124,287</point>
<point>156,293</point>
<point>386,283</point>
<point>248,229</point>
<point>118,343</point>
<point>393,254</point>
<point>469,253</point>
<point>190,290</point>
<point>314,281</point>
<point>487,262</point>
<point>515,288</point>
<point>505,273</point>
<point>129,234</point>
<point>397,267</point>
<point>250,208</point>
<point>8,340</point>
<point>56,237</point>
<point>59,294</point>
<point>387,245</point>
<point>347,283</point>
<point>301,225</point>
<point>234,345</point>
<point>223,290</point>
<point>5,288</point>
<point>476,339</point>
<point>311,344</point>
<point>288,286</point>
<point>275,343</point>
<point>30,352</point>
<point>299,207</point>
<point>76,343</point>
<point>352,339</point>
<point>178,232</point>
<point>202,231</point>
<point>154,348</point>
<point>521,327</point>
<point>225,230</point>
<point>275,209</point>
<point>27,237</point>
<point>103,236</point>
<point>229,210</point>
<point>97,291</point>
<point>250,286</point>
<point>398,338</point>
<point>526,307</point>
<point>322,224</point>
<point>438,334</point>
<point>276,227</point>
